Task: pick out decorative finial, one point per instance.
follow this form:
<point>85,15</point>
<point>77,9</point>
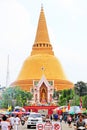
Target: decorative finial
<point>43,69</point>
<point>41,7</point>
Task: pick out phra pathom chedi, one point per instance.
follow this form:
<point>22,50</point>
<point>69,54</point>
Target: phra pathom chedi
<point>42,72</point>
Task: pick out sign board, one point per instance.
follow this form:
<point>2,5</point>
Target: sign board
<point>57,126</point>
<point>39,126</point>
<point>48,126</point>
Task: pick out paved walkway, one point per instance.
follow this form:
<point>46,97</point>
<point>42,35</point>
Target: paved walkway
<point>66,127</point>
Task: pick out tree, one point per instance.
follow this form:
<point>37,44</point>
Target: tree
<point>76,100</point>
<point>66,96</point>
<point>81,88</point>
<point>13,96</point>
<point>84,101</point>
<point>56,94</point>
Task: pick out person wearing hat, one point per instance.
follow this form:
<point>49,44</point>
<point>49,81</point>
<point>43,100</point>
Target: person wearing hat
<point>56,123</point>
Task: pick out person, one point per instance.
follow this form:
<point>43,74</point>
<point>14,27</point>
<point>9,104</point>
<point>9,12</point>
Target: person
<point>51,117</point>
<point>85,120</point>
<point>48,123</point>
<point>5,125</point>
<point>0,124</point>
<point>61,118</point>
<point>22,120</point>
<point>55,116</point>
<point>12,121</point>
<point>56,124</point>
<point>80,123</point>
<point>47,118</point>
<point>65,118</point>
<point>17,122</point>
<point>69,120</point>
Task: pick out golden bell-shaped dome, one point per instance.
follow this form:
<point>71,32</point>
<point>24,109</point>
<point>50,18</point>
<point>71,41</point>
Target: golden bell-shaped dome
<point>42,59</point>
<point>37,65</point>
<point>42,62</point>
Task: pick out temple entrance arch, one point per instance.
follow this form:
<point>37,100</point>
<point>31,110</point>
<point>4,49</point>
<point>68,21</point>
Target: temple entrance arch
<point>43,94</point>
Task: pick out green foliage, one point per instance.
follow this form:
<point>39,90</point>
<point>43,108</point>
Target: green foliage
<point>76,100</point>
<point>81,88</point>
<point>62,101</point>
<point>81,91</point>
<point>66,96</point>
<point>72,96</point>
<point>14,96</point>
<point>84,101</point>
<point>56,94</point>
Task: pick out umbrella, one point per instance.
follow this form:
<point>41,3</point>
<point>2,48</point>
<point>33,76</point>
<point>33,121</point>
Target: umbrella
<point>75,110</point>
<point>84,112</point>
<point>4,112</point>
<point>71,112</point>
<point>60,108</point>
<point>56,109</point>
<point>19,108</point>
<point>18,112</point>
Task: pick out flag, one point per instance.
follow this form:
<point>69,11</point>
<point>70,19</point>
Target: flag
<point>80,103</point>
<point>9,108</point>
<point>69,106</point>
<point>64,110</point>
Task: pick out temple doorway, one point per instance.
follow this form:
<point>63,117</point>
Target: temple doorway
<point>43,94</point>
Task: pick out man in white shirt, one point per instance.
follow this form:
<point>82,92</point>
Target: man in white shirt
<point>5,125</point>
<point>12,121</point>
<point>17,122</point>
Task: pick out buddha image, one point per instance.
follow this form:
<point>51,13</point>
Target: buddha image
<point>43,95</point>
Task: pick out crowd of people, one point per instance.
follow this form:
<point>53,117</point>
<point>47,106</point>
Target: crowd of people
<point>78,120</point>
<point>13,121</point>
<point>10,122</point>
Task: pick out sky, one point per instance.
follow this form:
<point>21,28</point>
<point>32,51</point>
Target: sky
<point>67,28</point>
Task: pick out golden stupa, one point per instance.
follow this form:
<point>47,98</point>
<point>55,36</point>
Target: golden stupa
<point>42,61</point>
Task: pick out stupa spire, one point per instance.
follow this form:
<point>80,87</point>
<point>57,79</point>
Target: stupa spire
<point>42,41</point>
<point>42,32</point>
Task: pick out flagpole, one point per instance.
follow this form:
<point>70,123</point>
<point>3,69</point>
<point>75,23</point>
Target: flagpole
<point>7,73</point>
<point>80,102</point>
